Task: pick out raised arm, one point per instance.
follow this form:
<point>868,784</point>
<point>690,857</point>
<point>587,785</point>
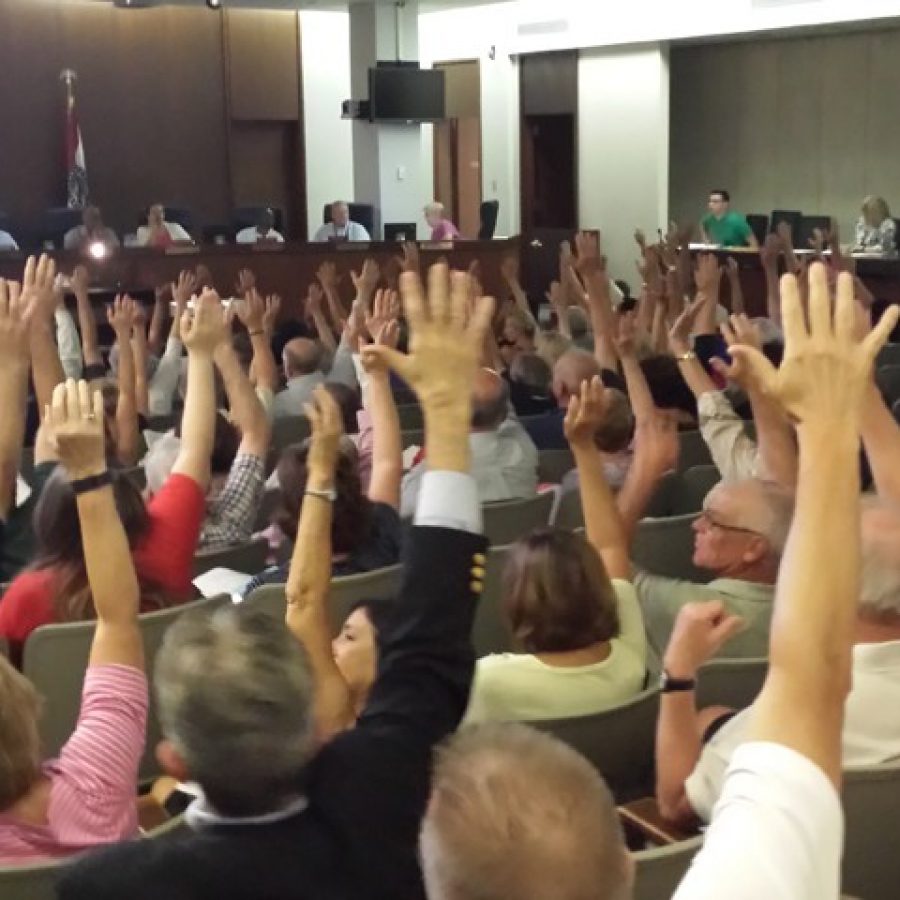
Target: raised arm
<point>387,447</point>
<point>140,353</point>
<point>76,428</point>
<point>309,577</point>
<point>246,412</point>
<point>258,317</point>
<point>365,282</point>
<point>768,257</point>
<point>121,318</point>
<point>592,269</point>
<point>786,240</point>
<point>509,271</point>
<point>90,343</point>
<point>602,521</point>
<point>330,280</point>
<point>881,439</point>
<point>315,311</point>
<point>821,384</point>
<point>202,331</point>
<point>14,351</point>
<point>37,289</point>
<point>164,383</point>
<point>158,319</point>
<point>734,281</point>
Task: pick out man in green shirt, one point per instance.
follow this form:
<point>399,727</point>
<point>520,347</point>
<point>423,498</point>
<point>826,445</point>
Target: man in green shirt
<point>724,227</point>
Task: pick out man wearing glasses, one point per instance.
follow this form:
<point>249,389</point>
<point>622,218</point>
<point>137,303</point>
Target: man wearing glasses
<point>738,537</point>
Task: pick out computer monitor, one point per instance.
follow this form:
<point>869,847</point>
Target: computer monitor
<point>399,231</point>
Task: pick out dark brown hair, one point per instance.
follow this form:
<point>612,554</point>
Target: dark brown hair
<point>556,593</point>
<point>352,510</point>
<point>59,548</point>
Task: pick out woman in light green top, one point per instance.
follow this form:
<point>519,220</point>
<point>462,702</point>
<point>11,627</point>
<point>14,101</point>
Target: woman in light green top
<point>570,604</point>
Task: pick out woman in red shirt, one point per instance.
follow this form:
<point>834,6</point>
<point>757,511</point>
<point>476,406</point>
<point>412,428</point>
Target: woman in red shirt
<point>162,535</point>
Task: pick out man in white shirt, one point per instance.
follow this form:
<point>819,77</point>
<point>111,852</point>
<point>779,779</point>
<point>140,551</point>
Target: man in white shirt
<point>504,458</point>
<point>90,231</point>
<point>870,736</point>
<point>7,241</point>
<point>158,232</point>
<point>262,233</point>
<point>340,228</point>
<point>777,830</point>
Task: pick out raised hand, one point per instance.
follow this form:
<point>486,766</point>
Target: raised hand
<point>74,421</point>
<point>683,326</point>
<point>328,276</point>
<point>640,239</point>
<point>270,314</point>
<point>183,289</point>
<point>738,330</point>
<point>656,444</point>
<point>627,334</point>
<point>366,281</point>
<point>385,309</point>
<point>509,269</point>
<point>79,280</point>
<point>250,310</point>
<point>314,297</point>
<point>326,427</point>
<point>16,310</point>
<point>707,275</point>
<point>770,251</point>
<point>246,281</point>
<point>588,259</point>
<point>207,326</point>
<point>826,369</point>
<point>409,260</point>
<point>701,630</point>
<point>37,285</point>
<point>585,413</point>
<point>444,348</point>
<point>120,315</point>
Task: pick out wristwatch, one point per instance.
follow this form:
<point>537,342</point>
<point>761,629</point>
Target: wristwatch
<point>329,494</point>
<point>683,357</point>
<point>668,684</point>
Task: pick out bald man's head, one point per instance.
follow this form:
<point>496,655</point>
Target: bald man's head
<point>571,369</point>
<point>490,400</point>
<point>515,813</point>
<point>301,356</point>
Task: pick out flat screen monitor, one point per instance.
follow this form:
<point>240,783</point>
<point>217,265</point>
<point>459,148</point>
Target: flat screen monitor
<point>399,231</point>
<point>406,94</point>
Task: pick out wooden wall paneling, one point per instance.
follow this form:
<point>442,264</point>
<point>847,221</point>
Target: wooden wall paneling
<point>548,83</point>
<point>881,148</point>
<point>468,174</point>
<point>264,65</point>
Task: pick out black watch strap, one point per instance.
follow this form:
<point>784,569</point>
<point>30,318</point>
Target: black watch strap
<point>91,483</point>
<point>668,684</point>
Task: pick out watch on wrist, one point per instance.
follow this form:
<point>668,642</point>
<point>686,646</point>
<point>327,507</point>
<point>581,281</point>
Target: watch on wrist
<point>329,494</point>
<point>684,357</point>
<point>668,684</point>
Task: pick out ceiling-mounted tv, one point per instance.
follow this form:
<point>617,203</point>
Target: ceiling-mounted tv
<point>403,93</point>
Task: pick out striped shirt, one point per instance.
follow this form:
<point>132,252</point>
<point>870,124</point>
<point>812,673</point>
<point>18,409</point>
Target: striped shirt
<point>93,784</point>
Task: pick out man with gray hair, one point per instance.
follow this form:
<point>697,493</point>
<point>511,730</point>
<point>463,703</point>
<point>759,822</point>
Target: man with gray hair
<point>281,817</point>
<point>691,772</point>
<point>340,228</point>
<point>739,537</point>
<point>515,813</point>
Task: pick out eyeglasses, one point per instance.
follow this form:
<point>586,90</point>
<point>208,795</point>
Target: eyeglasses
<point>707,518</point>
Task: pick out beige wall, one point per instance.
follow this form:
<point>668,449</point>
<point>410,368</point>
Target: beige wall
<point>799,123</point>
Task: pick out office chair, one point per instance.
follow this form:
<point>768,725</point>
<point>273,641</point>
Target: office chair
<point>488,212</point>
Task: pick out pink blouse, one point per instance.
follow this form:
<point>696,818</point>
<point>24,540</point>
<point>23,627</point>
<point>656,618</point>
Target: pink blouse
<point>93,784</point>
<point>445,230</point>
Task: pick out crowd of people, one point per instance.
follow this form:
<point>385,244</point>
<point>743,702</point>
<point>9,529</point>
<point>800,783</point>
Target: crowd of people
<point>388,761</point>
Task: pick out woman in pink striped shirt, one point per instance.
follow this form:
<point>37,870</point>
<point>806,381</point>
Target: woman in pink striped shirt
<point>442,229</point>
<point>85,797</point>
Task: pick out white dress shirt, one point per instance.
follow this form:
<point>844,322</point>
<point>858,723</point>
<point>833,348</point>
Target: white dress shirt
<point>352,231</point>
<point>252,236</point>
<point>504,466</point>
<point>7,241</point>
<point>734,453</point>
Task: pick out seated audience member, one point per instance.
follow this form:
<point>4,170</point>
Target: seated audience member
<point>302,361</point>
<point>7,241</point>
<point>442,229</point>
<point>551,345</point>
<point>613,439</point>
<point>876,231</point>
<point>570,606</point>
<point>262,233</point>
<point>236,692</point>
<point>519,329</point>
<point>341,228</point>
<point>739,537</point>
<point>725,227</point>
<point>163,534</point>
<point>90,231</point>
<point>158,232</point>
<point>530,380</point>
<point>580,328</point>
<point>517,813</point>
<point>366,531</point>
<point>571,370</point>
<point>491,831</point>
<point>86,797</point>
<point>504,459</point>
<point>690,780</point>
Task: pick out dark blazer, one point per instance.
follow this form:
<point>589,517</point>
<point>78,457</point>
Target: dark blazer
<point>367,789</point>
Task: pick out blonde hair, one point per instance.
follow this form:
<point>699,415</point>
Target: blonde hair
<point>435,207</point>
<point>20,743</point>
<point>517,813</point>
<point>551,345</point>
<point>875,210</point>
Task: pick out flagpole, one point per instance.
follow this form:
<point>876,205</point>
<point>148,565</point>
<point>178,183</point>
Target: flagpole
<point>76,176</point>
